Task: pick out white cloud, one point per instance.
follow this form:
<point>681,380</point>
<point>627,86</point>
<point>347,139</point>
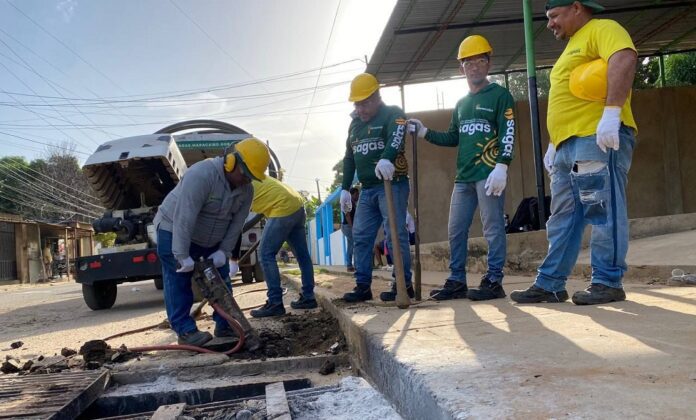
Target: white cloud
<point>67,9</point>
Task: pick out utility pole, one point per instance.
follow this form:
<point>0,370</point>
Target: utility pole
<point>318,190</point>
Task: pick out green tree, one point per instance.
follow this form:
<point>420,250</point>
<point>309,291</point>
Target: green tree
<point>14,195</point>
<point>311,206</point>
<point>518,85</point>
<point>647,73</point>
<point>680,69</point>
<point>338,176</point>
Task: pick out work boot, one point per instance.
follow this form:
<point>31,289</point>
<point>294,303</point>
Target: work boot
<point>225,331</point>
<point>537,295</point>
<point>487,290</point>
<point>451,290</point>
<point>269,309</point>
<point>390,296</point>
<point>350,269</point>
<point>303,303</point>
<point>598,293</point>
<point>195,338</point>
<point>359,294</point>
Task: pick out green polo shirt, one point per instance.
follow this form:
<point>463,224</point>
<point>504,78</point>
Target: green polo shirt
<point>483,127</point>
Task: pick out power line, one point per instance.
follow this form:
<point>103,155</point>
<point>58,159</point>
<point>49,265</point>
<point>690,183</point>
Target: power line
<point>326,49</point>
<point>39,142</point>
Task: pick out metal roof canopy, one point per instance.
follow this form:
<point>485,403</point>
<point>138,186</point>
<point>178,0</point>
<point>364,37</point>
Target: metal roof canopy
<point>421,39</point>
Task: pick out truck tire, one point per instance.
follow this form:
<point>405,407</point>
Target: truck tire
<point>159,283</point>
<point>100,295</point>
<point>258,273</point>
<point>247,274</point>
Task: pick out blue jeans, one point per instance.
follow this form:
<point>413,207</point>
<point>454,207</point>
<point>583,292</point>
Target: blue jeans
<point>278,230</point>
<point>597,198</point>
<point>369,216</point>
<point>348,233</point>
<point>178,296</point>
<point>465,198</point>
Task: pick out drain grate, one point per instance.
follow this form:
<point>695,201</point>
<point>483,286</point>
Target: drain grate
<point>50,396</point>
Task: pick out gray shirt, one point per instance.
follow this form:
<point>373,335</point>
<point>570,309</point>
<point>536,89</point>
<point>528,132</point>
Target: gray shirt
<point>204,209</point>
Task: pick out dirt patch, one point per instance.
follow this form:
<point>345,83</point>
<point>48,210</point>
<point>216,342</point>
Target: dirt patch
<point>308,334</point>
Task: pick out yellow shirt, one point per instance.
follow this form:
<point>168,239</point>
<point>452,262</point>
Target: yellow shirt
<point>272,198</point>
<point>571,116</point>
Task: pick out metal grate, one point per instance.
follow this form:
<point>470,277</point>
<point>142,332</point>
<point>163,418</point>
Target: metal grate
<point>8,263</point>
<point>54,396</point>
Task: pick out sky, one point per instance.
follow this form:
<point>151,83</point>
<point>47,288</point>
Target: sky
<point>93,71</point>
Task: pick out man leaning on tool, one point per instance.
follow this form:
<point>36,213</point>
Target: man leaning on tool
<point>284,209</point>
<point>203,217</point>
<point>483,128</point>
<point>592,135</point>
<point>375,148</point>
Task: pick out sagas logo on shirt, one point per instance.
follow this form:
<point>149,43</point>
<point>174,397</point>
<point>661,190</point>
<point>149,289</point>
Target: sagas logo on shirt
<point>474,126</point>
<point>366,146</point>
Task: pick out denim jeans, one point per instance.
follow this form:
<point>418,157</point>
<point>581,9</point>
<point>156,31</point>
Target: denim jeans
<point>465,198</point>
<point>178,296</point>
<point>372,214</point>
<point>348,233</point>
<point>597,198</point>
<point>278,230</point>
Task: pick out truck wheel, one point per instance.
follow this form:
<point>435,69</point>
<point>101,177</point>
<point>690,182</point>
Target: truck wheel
<point>159,283</point>
<point>100,295</point>
<point>258,273</point>
<point>247,274</point>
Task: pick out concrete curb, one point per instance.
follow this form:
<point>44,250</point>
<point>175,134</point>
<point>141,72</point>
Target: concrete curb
<point>399,383</point>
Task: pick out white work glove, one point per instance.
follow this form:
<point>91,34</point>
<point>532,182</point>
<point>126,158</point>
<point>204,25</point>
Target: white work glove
<point>608,128</point>
<point>416,125</point>
<point>346,202</point>
<point>219,258</point>
<point>185,265</point>
<point>384,170</point>
<point>495,184</point>
<point>549,156</point>
<point>234,267</point>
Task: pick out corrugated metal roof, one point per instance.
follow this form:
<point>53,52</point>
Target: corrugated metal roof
<point>420,40</point>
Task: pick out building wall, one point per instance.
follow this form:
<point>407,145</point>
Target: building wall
<point>659,179</point>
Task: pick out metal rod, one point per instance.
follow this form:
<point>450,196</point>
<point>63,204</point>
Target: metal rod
<point>416,262</point>
<point>402,300</point>
<point>534,110</point>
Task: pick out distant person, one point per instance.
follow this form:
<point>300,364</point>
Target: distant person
<point>592,133</point>
<point>347,228</point>
<point>483,130</point>
<point>203,217</point>
<point>48,261</point>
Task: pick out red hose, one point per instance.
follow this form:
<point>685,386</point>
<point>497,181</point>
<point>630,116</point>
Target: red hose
<point>236,326</point>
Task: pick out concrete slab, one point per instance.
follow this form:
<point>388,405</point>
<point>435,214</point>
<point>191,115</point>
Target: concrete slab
<point>463,359</point>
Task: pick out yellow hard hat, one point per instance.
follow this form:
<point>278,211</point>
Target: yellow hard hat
<point>588,81</point>
<point>253,157</point>
<point>362,86</point>
<point>474,45</point>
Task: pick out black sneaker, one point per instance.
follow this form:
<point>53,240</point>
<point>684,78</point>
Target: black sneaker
<point>269,309</point>
<point>390,296</point>
<point>487,290</point>
<point>195,338</point>
<point>598,293</point>
<point>537,295</point>
<point>451,290</point>
<point>303,303</point>
<point>359,294</point>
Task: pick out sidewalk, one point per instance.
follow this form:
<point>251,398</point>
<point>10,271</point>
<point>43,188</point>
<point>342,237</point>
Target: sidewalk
<point>497,359</point>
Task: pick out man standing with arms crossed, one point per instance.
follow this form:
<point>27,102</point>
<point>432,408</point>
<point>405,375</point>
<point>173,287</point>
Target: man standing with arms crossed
<point>483,128</point>
<point>375,148</point>
<point>592,133</point>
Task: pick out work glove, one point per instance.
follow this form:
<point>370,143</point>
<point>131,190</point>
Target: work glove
<point>384,170</point>
<point>608,128</point>
<point>185,265</point>
<point>495,184</point>
<point>415,125</point>
<point>219,258</point>
<point>346,202</point>
<point>549,156</point>
<point>234,267</point>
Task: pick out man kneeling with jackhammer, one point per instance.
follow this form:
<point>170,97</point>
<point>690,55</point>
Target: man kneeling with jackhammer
<point>202,217</point>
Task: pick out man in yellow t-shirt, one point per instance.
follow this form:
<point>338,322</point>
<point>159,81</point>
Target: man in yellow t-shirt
<point>284,209</point>
<point>592,133</point>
